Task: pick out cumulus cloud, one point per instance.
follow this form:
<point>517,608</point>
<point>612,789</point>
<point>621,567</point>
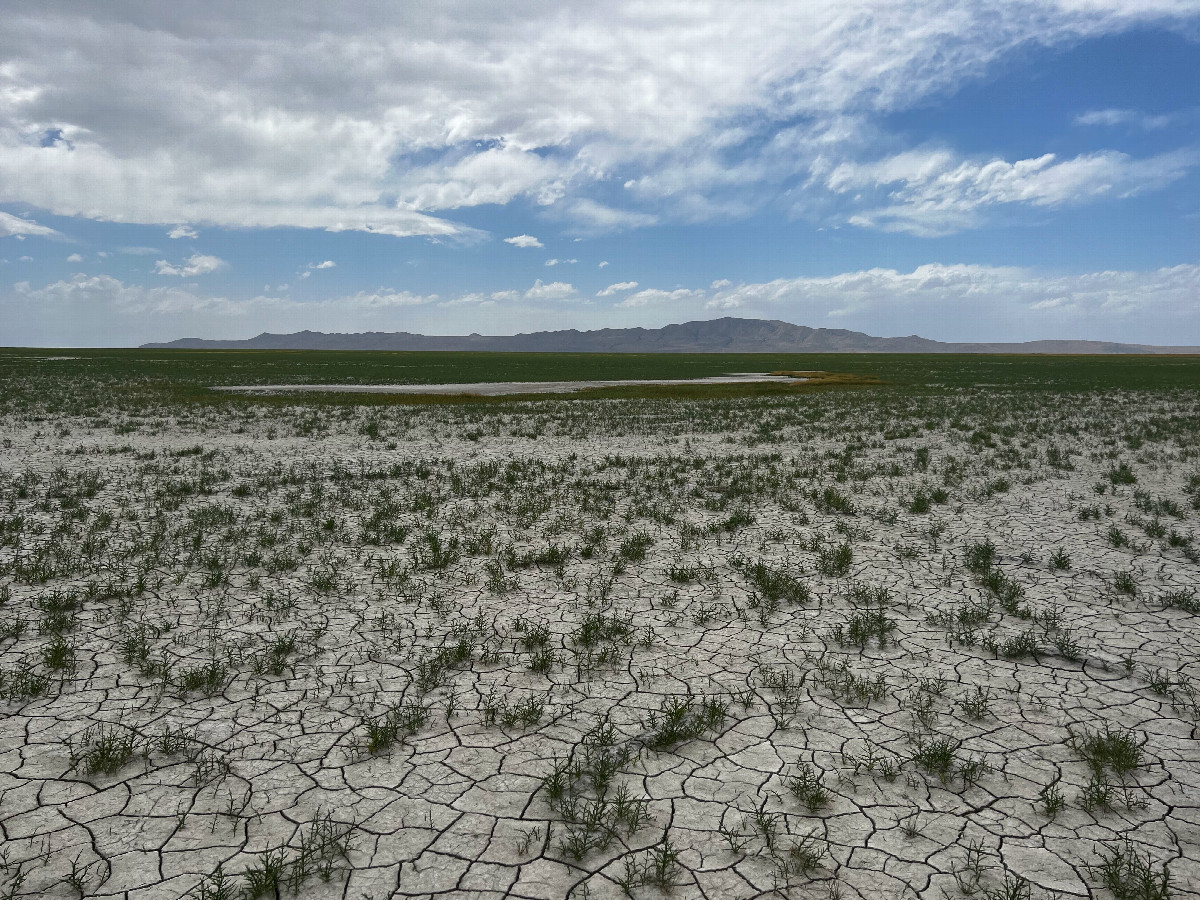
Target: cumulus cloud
<point>523,240</point>
<point>74,258</point>
<point>390,115</point>
<point>651,296</point>
<point>617,288</point>
<point>196,264</point>
<point>561,262</point>
<point>389,118</point>
<point>11,225</point>
<point>326,264</point>
<point>555,290</point>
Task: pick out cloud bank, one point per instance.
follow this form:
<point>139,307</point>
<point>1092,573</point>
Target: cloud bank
<point>391,117</point>
<point>944,302</point>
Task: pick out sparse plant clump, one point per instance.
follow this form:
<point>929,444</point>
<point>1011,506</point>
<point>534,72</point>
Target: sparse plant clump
<point>776,585</point>
<point>1108,748</point>
<point>521,713</point>
<point>977,705</point>
<point>980,557</point>
<point>1186,600</point>
<point>937,756</point>
<point>635,547</point>
<point>581,790</point>
<point>865,626</point>
<point>681,719</point>
<point>835,561</point>
<point>103,749</point>
<point>1125,583</point>
<point>396,724</point>
<point>805,785</point>
<point>658,867</point>
<point>1052,799</point>
<point>1130,875</point>
<point>1122,474</point>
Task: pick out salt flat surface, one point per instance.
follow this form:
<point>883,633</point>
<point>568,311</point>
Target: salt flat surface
<point>823,646</point>
<point>501,388</point>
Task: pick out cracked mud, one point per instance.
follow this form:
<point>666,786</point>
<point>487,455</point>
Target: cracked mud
<point>831,645</point>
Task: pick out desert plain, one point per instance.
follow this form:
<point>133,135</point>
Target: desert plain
<point>926,638</point>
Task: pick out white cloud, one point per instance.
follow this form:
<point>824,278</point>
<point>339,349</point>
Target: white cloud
<point>945,302</point>
<point>592,216</point>
<point>388,114</point>
<point>555,290</point>
<point>617,288</point>
<point>84,308</point>
<point>651,296</point>
<point>935,192</point>
<point>74,258</point>
<point>523,240</point>
<point>974,302</point>
<point>497,175</point>
<point>561,262</point>
<point>11,225</point>
<point>1114,117</point>
<point>196,264</point>
<point>603,263</point>
<point>326,264</point>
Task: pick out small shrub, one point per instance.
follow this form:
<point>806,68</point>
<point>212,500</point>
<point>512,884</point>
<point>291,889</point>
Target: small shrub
<point>634,547</point>
<point>806,787</point>
<point>937,757</point>
<point>1122,474</point>
<point>398,723</point>
<point>1110,747</point>
<point>682,719</point>
<point>1124,583</point>
<point>835,561</point>
<point>980,557</point>
<point>1128,875</point>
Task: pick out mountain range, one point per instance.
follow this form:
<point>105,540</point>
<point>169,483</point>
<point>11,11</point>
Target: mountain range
<point>727,335</point>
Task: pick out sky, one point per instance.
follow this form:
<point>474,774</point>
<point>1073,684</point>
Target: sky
<point>960,170</point>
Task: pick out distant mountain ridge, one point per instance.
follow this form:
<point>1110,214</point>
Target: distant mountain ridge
<point>726,335</point>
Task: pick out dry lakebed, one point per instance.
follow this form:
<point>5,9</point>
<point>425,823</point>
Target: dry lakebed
<point>838,644</point>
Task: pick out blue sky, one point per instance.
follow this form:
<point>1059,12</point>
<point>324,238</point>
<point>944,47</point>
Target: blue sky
<point>963,171</point>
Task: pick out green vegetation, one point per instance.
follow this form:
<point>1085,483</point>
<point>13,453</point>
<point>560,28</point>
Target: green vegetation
<point>89,380</point>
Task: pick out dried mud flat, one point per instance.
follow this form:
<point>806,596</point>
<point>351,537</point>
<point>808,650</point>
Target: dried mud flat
<point>836,645</point>
<point>503,388</point>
